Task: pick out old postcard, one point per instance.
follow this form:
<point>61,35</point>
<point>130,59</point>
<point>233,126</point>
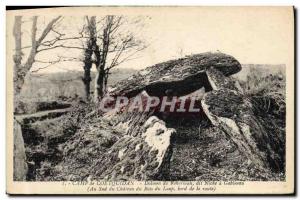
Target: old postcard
<point>150,100</point>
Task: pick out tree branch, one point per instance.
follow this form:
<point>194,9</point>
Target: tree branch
<point>48,29</point>
<point>59,46</point>
<point>34,45</point>
<point>50,63</point>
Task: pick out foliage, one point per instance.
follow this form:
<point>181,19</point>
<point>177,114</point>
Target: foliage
<point>267,95</point>
<point>266,91</point>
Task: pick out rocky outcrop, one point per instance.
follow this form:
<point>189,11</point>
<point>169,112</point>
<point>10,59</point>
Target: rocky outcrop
<point>182,76</point>
<point>126,121</point>
<point>111,155</point>
<point>30,107</point>
<point>20,165</point>
<point>224,140</point>
<point>40,116</point>
<point>233,113</point>
<point>144,157</point>
<point>218,81</point>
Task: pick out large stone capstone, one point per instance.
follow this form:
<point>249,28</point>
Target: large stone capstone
<point>181,76</point>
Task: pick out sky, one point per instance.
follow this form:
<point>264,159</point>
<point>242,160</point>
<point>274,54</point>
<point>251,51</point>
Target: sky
<point>258,35</point>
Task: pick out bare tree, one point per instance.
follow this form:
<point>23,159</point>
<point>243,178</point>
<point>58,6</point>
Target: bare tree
<point>88,53</point>
<point>106,43</point>
<point>20,70</point>
<point>117,44</point>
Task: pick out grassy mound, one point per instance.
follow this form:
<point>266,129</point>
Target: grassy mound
<point>267,94</point>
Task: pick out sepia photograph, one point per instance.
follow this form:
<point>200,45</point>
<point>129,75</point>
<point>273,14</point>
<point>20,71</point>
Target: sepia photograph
<point>150,100</point>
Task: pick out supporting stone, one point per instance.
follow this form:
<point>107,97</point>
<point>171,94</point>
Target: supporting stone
<point>20,165</point>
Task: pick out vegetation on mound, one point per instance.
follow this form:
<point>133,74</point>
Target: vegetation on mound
<point>44,137</point>
<point>267,92</point>
<point>267,95</point>
<point>203,152</point>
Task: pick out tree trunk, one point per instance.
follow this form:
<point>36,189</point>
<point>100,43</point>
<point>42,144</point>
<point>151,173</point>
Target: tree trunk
<point>86,81</point>
<point>17,59</point>
<point>99,84</point>
<point>20,70</point>
<point>20,166</point>
<point>18,52</point>
<point>101,61</point>
<point>87,70</point>
<point>106,80</point>
<point>91,46</point>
